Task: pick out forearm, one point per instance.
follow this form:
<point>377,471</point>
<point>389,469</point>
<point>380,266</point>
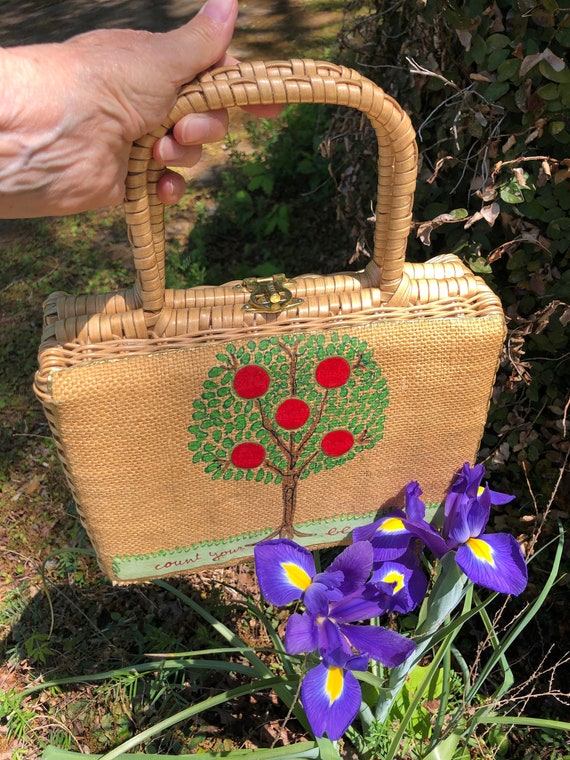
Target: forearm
<point>70,112</point>
<point>44,132</point>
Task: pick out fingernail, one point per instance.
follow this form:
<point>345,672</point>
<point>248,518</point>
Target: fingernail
<point>219,10</point>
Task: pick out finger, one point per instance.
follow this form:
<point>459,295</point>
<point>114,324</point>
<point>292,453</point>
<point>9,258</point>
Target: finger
<point>170,187</point>
<point>168,151</point>
<point>198,128</point>
<point>201,42</point>
<point>269,111</point>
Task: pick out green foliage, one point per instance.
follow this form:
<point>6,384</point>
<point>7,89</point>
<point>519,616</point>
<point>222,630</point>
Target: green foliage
<point>16,715</point>
<point>487,85</point>
<point>425,709</point>
<point>273,205</point>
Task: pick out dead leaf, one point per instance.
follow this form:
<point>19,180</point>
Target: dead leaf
<point>561,175</point>
<point>489,213</point>
<point>500,251</point>
<point>519,176</point>
<point>557,63</point>
<point>464,37</point>
<point>509,144</point>
<point>481,77</point>
<point>426,228</point>
<point>441,162</point>
<point>530,61</point>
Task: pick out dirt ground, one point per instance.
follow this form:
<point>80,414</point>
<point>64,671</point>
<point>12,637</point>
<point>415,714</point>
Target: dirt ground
<point>265,28</point>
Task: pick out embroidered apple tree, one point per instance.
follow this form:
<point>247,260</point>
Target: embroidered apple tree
<point>286,407</point>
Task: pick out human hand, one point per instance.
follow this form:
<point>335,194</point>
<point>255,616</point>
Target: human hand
<point>71,111</point>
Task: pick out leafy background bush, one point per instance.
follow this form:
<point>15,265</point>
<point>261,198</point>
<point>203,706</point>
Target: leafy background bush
<point>488,89</point>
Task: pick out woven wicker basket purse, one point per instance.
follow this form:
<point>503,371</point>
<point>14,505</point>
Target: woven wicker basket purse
<point>193,423</point>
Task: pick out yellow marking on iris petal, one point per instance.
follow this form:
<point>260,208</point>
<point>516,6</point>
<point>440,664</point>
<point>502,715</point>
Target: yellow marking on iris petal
<point>296,575</point>
<point>334,684</point>
<point>392,524</point>
<point>480,490</point>
<point>481,550</point>
<point>395,577</point>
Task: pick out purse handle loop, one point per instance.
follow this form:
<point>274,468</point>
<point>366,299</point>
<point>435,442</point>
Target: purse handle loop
<point>280,82</point>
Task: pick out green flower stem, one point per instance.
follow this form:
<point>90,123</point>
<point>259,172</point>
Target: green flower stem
<point>444,700</point>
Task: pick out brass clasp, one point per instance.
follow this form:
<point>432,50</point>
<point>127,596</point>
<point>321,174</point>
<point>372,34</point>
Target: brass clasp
<point>269,294</point>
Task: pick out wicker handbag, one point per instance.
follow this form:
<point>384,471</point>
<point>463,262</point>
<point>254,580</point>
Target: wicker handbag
<point>193,423</point>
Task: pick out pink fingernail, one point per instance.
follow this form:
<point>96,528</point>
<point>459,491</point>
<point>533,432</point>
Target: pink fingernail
<point>219,10</point>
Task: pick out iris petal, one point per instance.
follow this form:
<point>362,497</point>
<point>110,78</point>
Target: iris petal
<point>331,643</point>
<point>479,512</point>
<point>355,563</point>
<point>428,535</point>
<point>317,598</point>
<point>300,634</point>
<point>331,697</point>
<point>494,561</point>
<point>388,647</point>
<point>284,570</point>
<point>362,605</point>
<point>415,508</point>
<point>388,536</point>
<point>405,586</point>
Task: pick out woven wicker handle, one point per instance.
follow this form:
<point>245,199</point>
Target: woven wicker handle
<point>282,82</point>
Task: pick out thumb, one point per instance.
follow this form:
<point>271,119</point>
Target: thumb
<point>201,42</point>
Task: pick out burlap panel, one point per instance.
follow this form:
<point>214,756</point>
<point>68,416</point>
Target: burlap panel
<point>124,423</point>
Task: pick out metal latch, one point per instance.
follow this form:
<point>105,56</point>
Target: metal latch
<point>269,294</point>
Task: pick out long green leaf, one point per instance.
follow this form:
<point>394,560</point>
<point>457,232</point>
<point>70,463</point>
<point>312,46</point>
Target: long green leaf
<point>297,751</point>
<point>508,677</point>
<point>445,750</point>
<point>147,667</point>
<point>328,750</point>
<point>509,720</point>
<point>281,689</point>
<point>189,712</point>
<point>257,611</point>
<point>415,700</point>
<point>449,588</point>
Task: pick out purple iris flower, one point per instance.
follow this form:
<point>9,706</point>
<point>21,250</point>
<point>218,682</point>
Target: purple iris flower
<point>392,535</point>
<point>402,582</point>
<point>331,695</point>
<point>465,487</point>
<point>286,572</point>
<point>493,560</point>
<point>335,600</point>
<point>329,629</point>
